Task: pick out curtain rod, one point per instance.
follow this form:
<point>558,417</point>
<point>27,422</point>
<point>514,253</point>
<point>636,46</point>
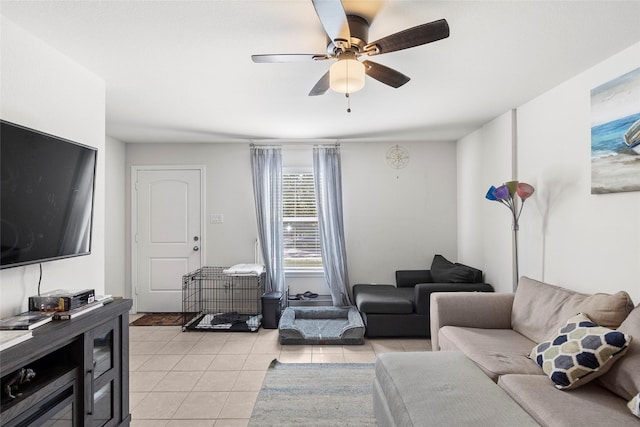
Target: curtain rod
<point>286,145</point>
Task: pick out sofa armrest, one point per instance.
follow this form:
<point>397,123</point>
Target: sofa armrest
<point>470,309</point>
<point>410,278</point>
<point>423,291</point>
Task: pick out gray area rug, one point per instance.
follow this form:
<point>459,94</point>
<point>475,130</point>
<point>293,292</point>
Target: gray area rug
<point>315,394</point>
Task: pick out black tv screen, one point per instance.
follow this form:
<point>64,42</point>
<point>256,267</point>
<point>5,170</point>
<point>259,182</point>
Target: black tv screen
<point>46,196</point>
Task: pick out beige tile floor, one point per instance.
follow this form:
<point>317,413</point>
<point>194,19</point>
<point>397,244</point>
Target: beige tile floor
<point>200,379</point>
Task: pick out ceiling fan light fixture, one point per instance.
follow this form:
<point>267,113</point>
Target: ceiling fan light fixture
<point>346,76</point>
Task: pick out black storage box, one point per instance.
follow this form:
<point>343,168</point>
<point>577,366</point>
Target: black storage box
<point>271,309</point>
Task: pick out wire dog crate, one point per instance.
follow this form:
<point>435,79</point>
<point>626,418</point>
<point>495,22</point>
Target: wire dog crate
<point>215,301</point>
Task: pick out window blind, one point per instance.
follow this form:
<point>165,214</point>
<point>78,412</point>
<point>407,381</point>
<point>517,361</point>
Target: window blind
<point>300,218</point>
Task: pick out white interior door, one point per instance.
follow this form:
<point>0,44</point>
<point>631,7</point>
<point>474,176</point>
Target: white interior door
<point>167,235</point>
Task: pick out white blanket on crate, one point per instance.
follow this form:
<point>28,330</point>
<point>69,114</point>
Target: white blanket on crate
<point>245,270</point>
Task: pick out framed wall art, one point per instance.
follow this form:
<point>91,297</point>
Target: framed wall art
<point>615,135</point>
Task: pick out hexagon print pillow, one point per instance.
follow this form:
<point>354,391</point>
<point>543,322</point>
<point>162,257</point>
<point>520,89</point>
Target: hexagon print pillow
<point>580,352</point>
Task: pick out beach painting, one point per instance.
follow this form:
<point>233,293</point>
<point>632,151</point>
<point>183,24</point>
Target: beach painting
<point>615,135</point>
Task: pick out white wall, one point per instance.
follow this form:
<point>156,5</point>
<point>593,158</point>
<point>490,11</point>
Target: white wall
<point>484,227</point>
<point>589,243</point>
<point>115,217</point>
<point>586,242</point>
<point>393,218</point>
<point>47,91</point>
<point>397,218</point>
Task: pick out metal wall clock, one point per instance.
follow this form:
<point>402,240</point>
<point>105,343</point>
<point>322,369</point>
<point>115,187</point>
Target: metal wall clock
<point>397,157</point>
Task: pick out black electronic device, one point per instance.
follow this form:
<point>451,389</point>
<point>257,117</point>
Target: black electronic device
<point>61,300</point>
<point>46,196</point>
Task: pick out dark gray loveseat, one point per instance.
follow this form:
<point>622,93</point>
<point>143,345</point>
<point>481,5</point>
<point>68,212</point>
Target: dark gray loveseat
<point>403,310</point>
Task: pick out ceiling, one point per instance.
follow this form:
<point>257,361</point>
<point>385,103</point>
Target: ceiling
<point>181,71</point>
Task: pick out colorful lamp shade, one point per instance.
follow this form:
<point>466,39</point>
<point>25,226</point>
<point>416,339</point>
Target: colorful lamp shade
<point>501,193</point>
<point>524,190</point>
<point>490,195</point>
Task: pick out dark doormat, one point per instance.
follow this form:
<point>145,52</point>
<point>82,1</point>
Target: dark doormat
<point>159,319</point>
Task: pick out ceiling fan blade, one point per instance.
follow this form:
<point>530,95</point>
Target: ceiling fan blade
<point>411,37</point>
<point>334,20</point>
<point>384,74</point>
<point>322,86</point>
<point>270,58</point>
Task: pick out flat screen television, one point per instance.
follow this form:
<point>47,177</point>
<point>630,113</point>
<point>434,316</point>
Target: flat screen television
<point>46,196</point>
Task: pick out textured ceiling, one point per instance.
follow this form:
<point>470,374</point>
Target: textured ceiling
<point>181,71</point>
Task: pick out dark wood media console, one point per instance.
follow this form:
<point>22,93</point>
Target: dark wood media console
<point>82,372</point>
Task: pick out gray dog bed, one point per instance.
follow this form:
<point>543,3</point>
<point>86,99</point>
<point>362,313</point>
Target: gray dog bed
<point>321,325</point>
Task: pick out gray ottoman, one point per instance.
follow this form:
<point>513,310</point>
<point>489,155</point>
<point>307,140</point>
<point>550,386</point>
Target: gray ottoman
<point>442,388</point>
<point>321,325</point>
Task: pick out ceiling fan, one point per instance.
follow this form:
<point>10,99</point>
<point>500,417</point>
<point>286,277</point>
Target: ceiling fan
<point>348,41</point>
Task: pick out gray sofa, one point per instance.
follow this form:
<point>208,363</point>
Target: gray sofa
<point>403,310</point>
<point>498,331</point>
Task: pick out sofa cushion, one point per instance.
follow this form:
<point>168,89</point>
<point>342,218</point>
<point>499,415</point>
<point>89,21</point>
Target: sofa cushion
<point>495,351</point>
<point>634,405</point>
<point>440,389</point>
<point>624,377</point>
<point>539,309</point>
<point>383,299</point>
<point>444,271</point>
<point>579,352</point>
<point>590,405</point>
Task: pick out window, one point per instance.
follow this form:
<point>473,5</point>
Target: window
<point>300,221</point>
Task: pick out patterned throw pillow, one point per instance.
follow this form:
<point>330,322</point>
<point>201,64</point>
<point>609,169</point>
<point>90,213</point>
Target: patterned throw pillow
<point>634,405</point>
<point>580,352</point>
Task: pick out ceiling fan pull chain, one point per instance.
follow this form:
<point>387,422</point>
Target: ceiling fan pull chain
<point>347,94</point>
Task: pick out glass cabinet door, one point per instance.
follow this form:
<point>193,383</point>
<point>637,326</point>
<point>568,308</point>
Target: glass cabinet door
<point>103,405</point>
<point>61,415</point>
<point>101,399</point>
<point>102,353</point>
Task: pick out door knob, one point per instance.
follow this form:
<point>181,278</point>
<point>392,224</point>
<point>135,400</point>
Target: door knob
<point>195,248</point>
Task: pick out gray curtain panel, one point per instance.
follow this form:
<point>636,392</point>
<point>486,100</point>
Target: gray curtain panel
<point>266,169</point>
<point>328,183</point>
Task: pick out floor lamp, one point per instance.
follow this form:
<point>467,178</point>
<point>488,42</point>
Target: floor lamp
<point>506,194</point>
